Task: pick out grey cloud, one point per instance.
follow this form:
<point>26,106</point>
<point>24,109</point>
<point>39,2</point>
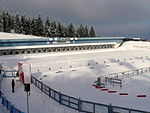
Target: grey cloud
<point>106,15</point>
<point>127,30</point>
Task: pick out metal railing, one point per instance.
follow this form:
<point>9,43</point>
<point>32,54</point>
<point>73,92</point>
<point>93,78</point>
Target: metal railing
<point>7,74</point>
<point>129,73</point>
<point>78,104</point>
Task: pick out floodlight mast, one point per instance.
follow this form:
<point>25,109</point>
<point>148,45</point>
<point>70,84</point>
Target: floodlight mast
<point>27,81</point>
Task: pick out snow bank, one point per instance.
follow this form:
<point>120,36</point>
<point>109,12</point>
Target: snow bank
<point>15,36</point>
<point>136,45</point>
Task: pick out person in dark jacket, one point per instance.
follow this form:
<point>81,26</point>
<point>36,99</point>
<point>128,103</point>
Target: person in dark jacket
<point>13,85</point>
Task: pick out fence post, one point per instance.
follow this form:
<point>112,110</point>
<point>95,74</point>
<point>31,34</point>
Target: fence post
<point>79,104</point>
<point>2,100</point>
<point>129,110</point>
<point>7,104</point>
<point>121,83</point>
<point>41,86</point>
<point>49,91</point>
<point>110,109</point>
<point>60,97</point>
<point>11,109</point>
<point>35,82</point>
<point>93,108</point>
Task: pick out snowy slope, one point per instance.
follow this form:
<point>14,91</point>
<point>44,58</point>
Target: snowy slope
<point>4,35</point>
<point>78,83</point>
<point>136,45</point>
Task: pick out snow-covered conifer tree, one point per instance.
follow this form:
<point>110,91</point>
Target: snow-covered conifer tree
<point>71,30</point>
<point>47,28</point>
<point>86,31</point>
<point>17,24</point>
<point>80,31</point>
<point>1,21</point>
<point>92,32</point>
<point>33,27</point>
<point>59,32</point>
<point>53,29</point>
<point>39,26</point>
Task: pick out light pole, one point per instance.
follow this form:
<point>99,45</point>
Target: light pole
<point>27,90</point>
<point>25,77</point>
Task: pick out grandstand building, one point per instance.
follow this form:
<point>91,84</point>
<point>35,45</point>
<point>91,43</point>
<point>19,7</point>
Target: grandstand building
<point>23,44</point>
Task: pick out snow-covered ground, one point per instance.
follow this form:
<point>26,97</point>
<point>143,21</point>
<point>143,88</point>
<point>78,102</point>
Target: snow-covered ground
<point>2,109</point>
<point>4,35</point>
<point>38,101</point>
<point>76,77</point>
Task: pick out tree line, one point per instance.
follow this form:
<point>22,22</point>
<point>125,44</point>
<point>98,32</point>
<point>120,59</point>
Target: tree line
<point>21,24</point>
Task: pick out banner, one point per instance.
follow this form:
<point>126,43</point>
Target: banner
<point>27,73</point>
<point>20,71</point>
<point>24,71</point>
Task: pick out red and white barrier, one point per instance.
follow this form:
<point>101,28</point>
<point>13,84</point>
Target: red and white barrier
<point>104,89</point>
<point>112,91</point>
<point>123,93</point>
<point>141,96</point>
<point>97,87</point>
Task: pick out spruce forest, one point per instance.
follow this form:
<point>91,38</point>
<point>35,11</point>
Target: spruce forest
<point>21,24</point>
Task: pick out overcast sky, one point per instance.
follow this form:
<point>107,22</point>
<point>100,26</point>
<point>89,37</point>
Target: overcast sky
<point>109,17</point>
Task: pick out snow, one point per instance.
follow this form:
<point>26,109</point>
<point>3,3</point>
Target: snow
<point>37,100</point>
<point>78,83</point>
<point>2,109</point>
<point>136,45</point>
<point>4,35</point>
<point>77,80</point>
